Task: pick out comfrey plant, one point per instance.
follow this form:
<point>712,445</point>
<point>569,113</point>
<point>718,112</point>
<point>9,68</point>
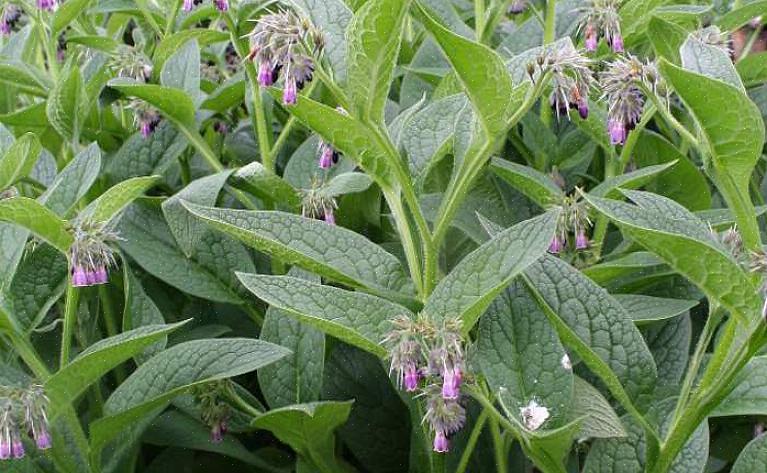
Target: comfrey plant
<point>382,235</point>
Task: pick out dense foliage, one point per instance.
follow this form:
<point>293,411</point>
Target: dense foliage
<point>381,236</point>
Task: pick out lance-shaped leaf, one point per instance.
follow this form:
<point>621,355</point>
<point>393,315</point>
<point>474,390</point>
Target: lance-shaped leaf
<point>472,285</point>
<point>535,185</point>
<point>73,182</point>
<point>666,38</point>
<point>174,103</point>
<point>521,356</point>
<point>97,360</point>
<point>481,71</point>
<point>19,160</point>
<point>41,221</point>
<point>171,44</point>
<point>596,327</point>
<point>25,77</point>
<point>358,319</point>
<point>599,420</point>
<point>67,102</point>
<point>680,242</point>
<point>738,17</point>
<point>749,397</point>
<point>647,309</point>
<point>174,372</point>
<point>255,179</point>
<point>753,457</point>
<point>116,198</point>
<point>331,251</point>
<point>373,43</point>
<point>347,135</point>
<point>733,131</point>
<point>631,180</point>
<point>308,429</point>
<point>709,60</point>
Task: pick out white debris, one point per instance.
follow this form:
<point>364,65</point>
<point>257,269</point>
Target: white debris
<point>566,363</point>
<point>533,415</point>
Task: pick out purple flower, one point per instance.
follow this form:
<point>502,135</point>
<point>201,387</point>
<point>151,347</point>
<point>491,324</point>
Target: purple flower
<point>617,131</point>
<point>330,217</point>
<point>410,378</point>
<point>79,277</point>
<point>517,7</point>
<point>441,443</point>
<point>146,129</point>
<point>583,108</point>
<point>556,245</point>
<point>90,255</point>
<point>617,43</point>
<point>326,156</point>
<point>43,440</point>
<point>451,383</point>
<point>265,73</point>
<point>47,5</point>
<point>591,38</point>
<point>5,26</point>
<point>17,446</point>
<point>581,241</point>
<point>218,430</point>
<point>5,447</point>
<point>188,5</point>
<point>290,93</point>
<point>221,5</point>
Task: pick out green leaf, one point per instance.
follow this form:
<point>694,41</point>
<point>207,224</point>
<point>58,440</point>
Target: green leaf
<point>738,17</point>
<point>753,457</point>
<point>472,285</point>
<point>255,179</point>
<point>99,43</point>
<point>521,356</point>
<point>331,251</point>
<point>359,319</point>
<point>753,69</point>
<point>687,248</point>
<point>139,156</point>
<point>347,135</point>
<point>733,130</point>
<point>15,73</point>
<point>669,343</point>
<point>710,61</point>
<point>140,311</point>
<point>535,185</point>
<point>595,326</point>
<point>182,70</point>
<point>174,103</point>
<point>41,221</point>
<point>19,160</point>
<point>632,263</point>
<point>66,104</point>
<point>109,204</point>
<point>749,397</point>
<point>308,429</point>
<point>171,44</point>
<point>631,180</point>
<point>599,420</point>
<point>185,228</point>
<point>148,240</point>
<point>98,359</point>
<point>482,73</point>
<point>73,182</point>
<point>666,38</point>
<point>345,183</point>
<point>683,183</point>
<point>66,14</point>
<point>174,372</point>
<point>333,18</point>
<point>373,43</point>
<point>647,309</point>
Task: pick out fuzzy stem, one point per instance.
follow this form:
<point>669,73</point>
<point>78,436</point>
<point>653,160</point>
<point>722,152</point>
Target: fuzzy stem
<point>70,321</point>
<point>498,446</point>
<point>472,442</point>
<point>172,18</point>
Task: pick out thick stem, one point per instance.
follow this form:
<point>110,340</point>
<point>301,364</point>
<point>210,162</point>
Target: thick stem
<point>172,18</point>
<point>406,234</point>
<point>479,19</point>
<point>472,442</point>
<point>550,27</point>
<point>70,321</point>
<point>499,446</point>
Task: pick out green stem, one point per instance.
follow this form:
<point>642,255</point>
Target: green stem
<point>479,19</point>
<point>406,234</point>
<point>241,404</point>
<point>48,45</point>
<point>499,446</point>
<point>283,137</point>
<point>70,321</point>
<point>172,18</point>
<point>600,227</point>
<point>110,322</point>
<point>550,27</point>
<point>29,355</point>
<point>472,442</point>
<point>670,119</point>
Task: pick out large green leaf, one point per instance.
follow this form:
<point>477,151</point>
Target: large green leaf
<point>599,420</point>
<point>373,43</point>
<point>19,160</point>
<point>521,356</point>
<point>669,343</point>
<point>631,180</point>
<point>686,247</point>
<point>139,310</point>
<point>171,44</point>
<point>666,38</point>
<point>481,71</point>
<point>753,69</point>
<point>173,372</point>
<point>709,60</point>
<point>750,394</point>
<point>472,285</point>
<point>331,251</point>
<point>174,103</point>
<point>732,130</point>
<point>41,221</point>
<point>753,458</point>
<point>109,204</point>
<point>332,17</point>
<point>182,70</point>
<point>67,102</point>
<point>738,17</point>
<point>97,360</point>
<point>139,156</point>
<point>308,429</point>
<point>73,182</point>
<point>535,185</point>
<point>354,317</point>
<point>65,14</point>
<point>23,76</point>
<point>647,309</point>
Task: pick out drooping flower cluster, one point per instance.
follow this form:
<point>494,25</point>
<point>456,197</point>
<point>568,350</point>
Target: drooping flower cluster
<point>316,203</point>
<point>285,42</point>
<point>23,410</point>
<point>426,354</point>
<point>622,83</point>
<point>213,409</point>
<point>132,63</point>
<point>221,5</point>
<point>571,79</point>
<point>601,19</point>
<point>146,117</point>
<point>90,255</point>
<point>9,15</point>
<point>573,220</point>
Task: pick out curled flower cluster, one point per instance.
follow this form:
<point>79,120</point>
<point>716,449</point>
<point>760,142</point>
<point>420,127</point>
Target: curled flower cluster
<point>571,81</point>
<point>318,204</point>
<point>90,255</point>
<point>214,411</point>
<point>622,86</point>
<point>9,15</point>
<point>423,351</point>
<point>221,5</point>
<point>601,19</point>
<point>285,42</point>
<point>130,62</point>
<point>146,117</point>
<point>23,410</point>
<point>573,220</point>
